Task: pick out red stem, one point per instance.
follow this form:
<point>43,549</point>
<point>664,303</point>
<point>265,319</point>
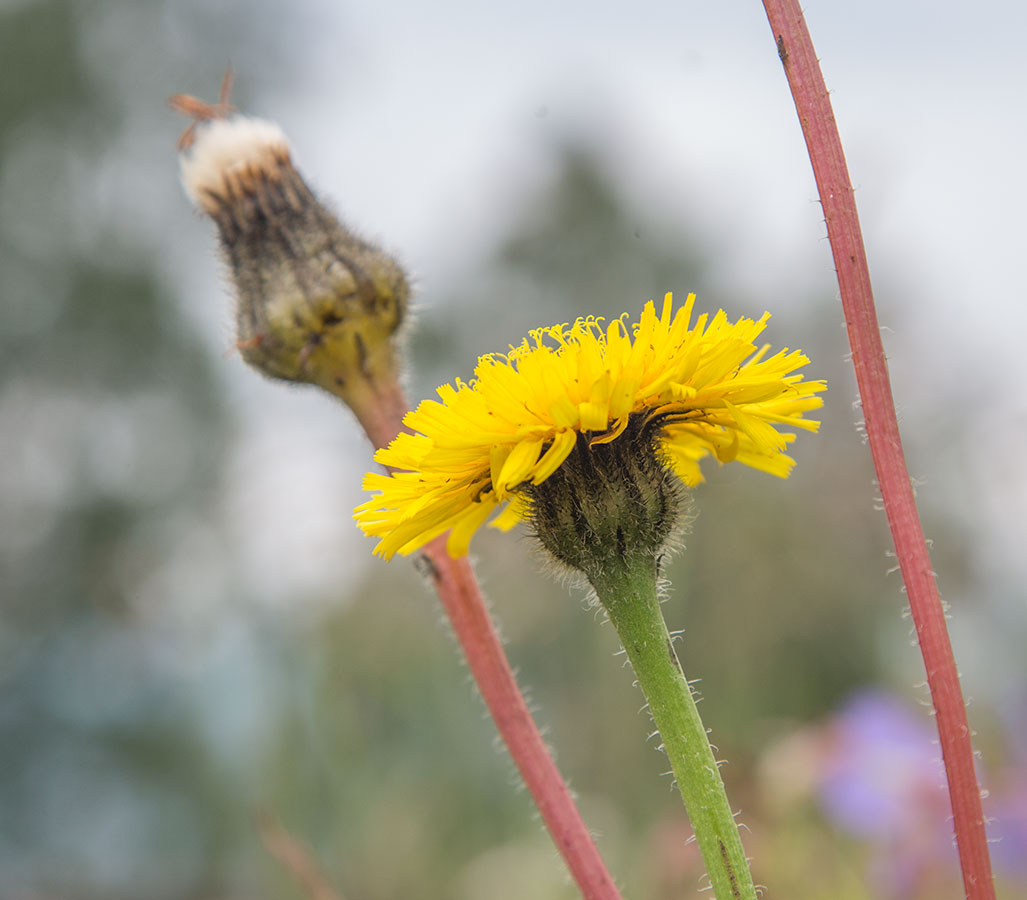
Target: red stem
<point>458,590</point>
<point>455,582</point>
<point>825,150</point>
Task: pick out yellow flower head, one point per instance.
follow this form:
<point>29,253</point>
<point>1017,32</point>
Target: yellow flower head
<point>702,389</point>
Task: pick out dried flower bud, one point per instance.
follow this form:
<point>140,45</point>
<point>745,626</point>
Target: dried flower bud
<point>315,303</point>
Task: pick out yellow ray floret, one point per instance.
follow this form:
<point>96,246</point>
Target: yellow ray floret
<point>713,391</point>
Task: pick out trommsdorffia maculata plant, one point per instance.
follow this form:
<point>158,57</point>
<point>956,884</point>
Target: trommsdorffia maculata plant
<point>319,305</point>
<point>593,433</point>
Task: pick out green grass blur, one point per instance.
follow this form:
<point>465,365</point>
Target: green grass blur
<point>140,739</point>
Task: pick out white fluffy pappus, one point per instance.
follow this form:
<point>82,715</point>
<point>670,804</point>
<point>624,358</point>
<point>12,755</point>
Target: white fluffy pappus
<point>224,147</point>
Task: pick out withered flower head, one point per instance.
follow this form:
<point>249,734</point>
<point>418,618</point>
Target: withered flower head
<point>316,303</point>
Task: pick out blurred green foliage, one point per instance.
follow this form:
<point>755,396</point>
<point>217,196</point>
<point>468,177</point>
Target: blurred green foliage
<point>132,764</point>
<point>113,430</point>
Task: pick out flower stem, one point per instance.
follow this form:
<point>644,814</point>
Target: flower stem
<point>457,587</point>
<point>629,595</point>
<point>813,105</point>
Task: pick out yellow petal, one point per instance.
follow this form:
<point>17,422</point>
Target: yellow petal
<point>553,458</point>
<point>518,465</point>
<point>463,531</point>
<point>511,516</point>
<point>613,434</point>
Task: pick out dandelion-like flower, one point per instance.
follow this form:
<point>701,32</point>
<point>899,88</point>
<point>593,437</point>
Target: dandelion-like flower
<point>581,418</point>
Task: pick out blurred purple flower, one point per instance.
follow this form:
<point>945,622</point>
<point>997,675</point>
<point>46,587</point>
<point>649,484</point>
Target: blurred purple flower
<point>882,774</point>
<point>875,770</point>
<point>882,779</point>
<point>1009,830</point>
<point>1008,806</point>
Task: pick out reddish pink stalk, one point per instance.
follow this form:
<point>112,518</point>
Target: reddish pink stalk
<point>825,150</point>
<point>469,616</point>
<point>458,589</point>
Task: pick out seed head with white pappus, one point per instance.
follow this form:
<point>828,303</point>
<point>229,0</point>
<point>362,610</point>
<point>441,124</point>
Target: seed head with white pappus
<point>316,303</point>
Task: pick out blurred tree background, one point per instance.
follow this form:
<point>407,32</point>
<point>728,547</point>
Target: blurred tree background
<point>150,708</point>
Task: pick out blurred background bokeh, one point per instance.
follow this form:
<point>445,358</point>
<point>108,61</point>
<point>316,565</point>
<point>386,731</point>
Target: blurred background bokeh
<point>192,633</point>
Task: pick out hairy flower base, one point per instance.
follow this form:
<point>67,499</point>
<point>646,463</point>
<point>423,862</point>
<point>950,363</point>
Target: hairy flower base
<point>608,502</point>
<point>707,385</point>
